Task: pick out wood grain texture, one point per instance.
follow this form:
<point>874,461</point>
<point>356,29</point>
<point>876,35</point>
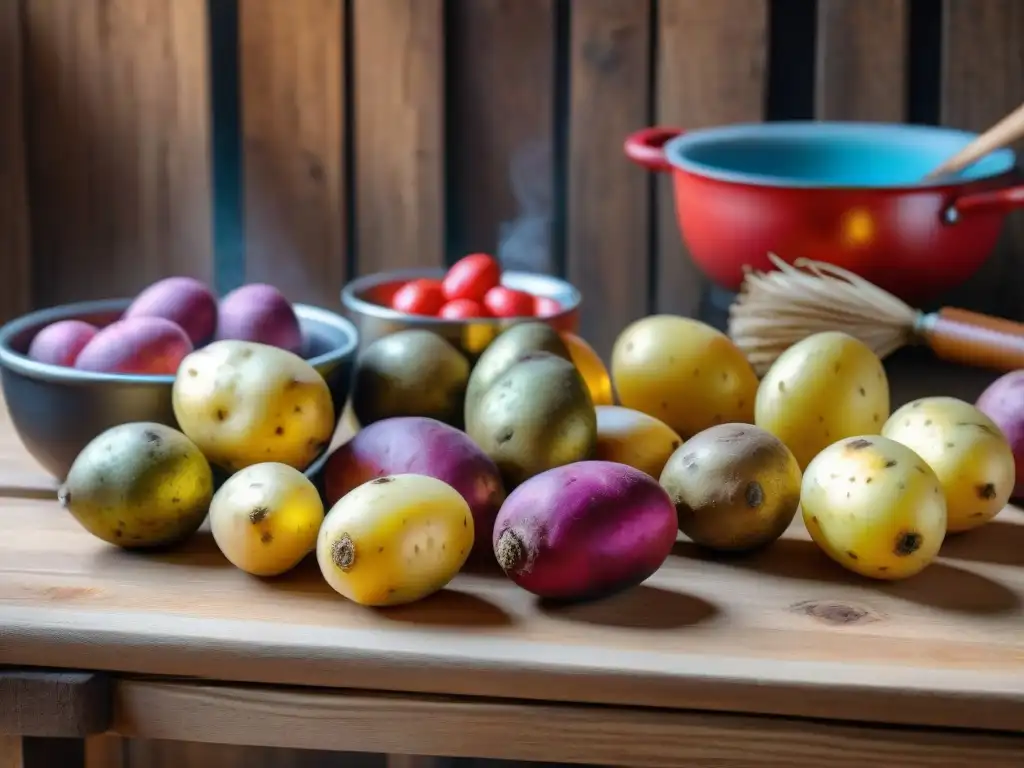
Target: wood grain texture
<point>783,632</point>
<point>609,199</point>
<point>293,129</point>
<point>982,81</point>
<point>529,732</point>
<point>502,101</point>
<point>119,119</point>
<point>712,70</point>
<point>399,133</point>
<point>15,288</point>
<point>862,48</point>
<point>54,703</point>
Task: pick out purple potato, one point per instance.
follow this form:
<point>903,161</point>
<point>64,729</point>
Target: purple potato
<point>584,530</point>
<point>185,301</point>
<point>1003,402</point>
<point>260,313</point>
<point>60,343</point>
<point>420,446</point>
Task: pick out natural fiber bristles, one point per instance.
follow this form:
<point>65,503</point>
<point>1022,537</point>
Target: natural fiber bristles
<point>774,310</point>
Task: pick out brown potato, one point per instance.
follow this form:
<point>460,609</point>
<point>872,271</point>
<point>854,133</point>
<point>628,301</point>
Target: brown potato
<point>736,487</point>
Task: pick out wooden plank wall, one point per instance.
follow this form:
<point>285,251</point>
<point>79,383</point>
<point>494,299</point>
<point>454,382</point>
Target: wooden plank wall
<point>378,134</point>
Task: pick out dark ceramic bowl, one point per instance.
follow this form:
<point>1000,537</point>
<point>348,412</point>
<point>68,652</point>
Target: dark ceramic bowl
<point>367,299</point>
<point>56,411</point>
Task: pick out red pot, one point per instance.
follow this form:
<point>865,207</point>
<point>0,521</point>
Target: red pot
<point>845,193</point>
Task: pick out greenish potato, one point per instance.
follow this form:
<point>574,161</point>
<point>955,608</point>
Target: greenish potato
<point>536,416</point>
<point>139,485</point>
<point>965,449</point>
<point>514,343</point>
<point>410,373</point>
<point>822,389</point>
<point>736,487</point>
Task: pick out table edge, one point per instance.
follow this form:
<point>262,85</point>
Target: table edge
<point>253,652</point>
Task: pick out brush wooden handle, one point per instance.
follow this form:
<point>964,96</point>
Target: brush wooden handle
<point>960,336</point>
<point>1006,131</point>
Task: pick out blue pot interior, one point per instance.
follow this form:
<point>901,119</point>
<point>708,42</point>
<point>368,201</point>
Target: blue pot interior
<point>823,154</point>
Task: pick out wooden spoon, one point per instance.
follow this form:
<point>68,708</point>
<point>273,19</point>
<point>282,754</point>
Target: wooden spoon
<point>1006,131</point>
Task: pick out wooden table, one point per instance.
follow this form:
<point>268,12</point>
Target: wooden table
<point>779,659</point>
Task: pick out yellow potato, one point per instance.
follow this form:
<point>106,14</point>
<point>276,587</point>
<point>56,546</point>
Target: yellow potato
<point>395,540</point>
<point>820,390</point>
<point>265,518</point>
<point>244,403</point>
<point>591,368</point>
<point>634,438</point>
<point>874,506</point>
<point>967,452</point>
<point>683,372</point>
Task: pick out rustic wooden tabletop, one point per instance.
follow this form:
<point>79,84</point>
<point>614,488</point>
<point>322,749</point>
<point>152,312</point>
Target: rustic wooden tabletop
<point>784,632</point>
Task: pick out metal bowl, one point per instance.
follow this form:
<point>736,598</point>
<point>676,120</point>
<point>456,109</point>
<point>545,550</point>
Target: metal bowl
<point>56,410</point>
<point>367,301</point>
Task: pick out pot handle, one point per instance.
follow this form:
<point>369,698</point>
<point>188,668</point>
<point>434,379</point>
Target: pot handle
<point>646,147</point>
<point>996,201</point>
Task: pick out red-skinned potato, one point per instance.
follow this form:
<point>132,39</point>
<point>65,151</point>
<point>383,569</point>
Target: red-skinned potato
<point>143,345</point>
<point>183,300</point>
<point>584,530</point>
<point>60,343</point>
<point>420,446</point>
<point>260,313</point>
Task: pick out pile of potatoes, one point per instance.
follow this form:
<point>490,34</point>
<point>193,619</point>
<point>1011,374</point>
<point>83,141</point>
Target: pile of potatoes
<point>878,491</point>
<point>574,478</point>
<point>167,321</point>
<point>256,413</point>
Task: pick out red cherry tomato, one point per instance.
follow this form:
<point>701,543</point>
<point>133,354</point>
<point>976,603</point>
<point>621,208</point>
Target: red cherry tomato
<point>508,302</point>
<point>459,309</point>
<point>419,297</point>
<point>471,277</point>
<point>545,306</point>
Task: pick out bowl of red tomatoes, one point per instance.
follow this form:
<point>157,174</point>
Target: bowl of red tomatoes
<point>468,304</point>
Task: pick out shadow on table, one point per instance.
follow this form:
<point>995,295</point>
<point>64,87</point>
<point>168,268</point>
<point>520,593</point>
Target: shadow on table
<point>998,542</point>
<point>198,551</point>
<point>642,607</point>
<point>941,585</point>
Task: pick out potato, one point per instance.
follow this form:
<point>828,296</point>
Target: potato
<point>584,530</point>
<point>410,373</point>
<point>822,389</point>
<point>735,487</point>
<point>244,403</point>
<point>395,540</point>
<point>633,438</point>
<point>260,313</point>
<point>185,301</point>
<point>265,518</point>
<point>511,345</point>
<point>139,485</point>
<point>60,343</point>
<point>683,372</point>
<point>1003,402</point>
<point>142,345</point>
<point>536,416</point>
<point>591,368</point>
<point>420,446</point>
<point>965,449</point>
<point>874,506</point>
